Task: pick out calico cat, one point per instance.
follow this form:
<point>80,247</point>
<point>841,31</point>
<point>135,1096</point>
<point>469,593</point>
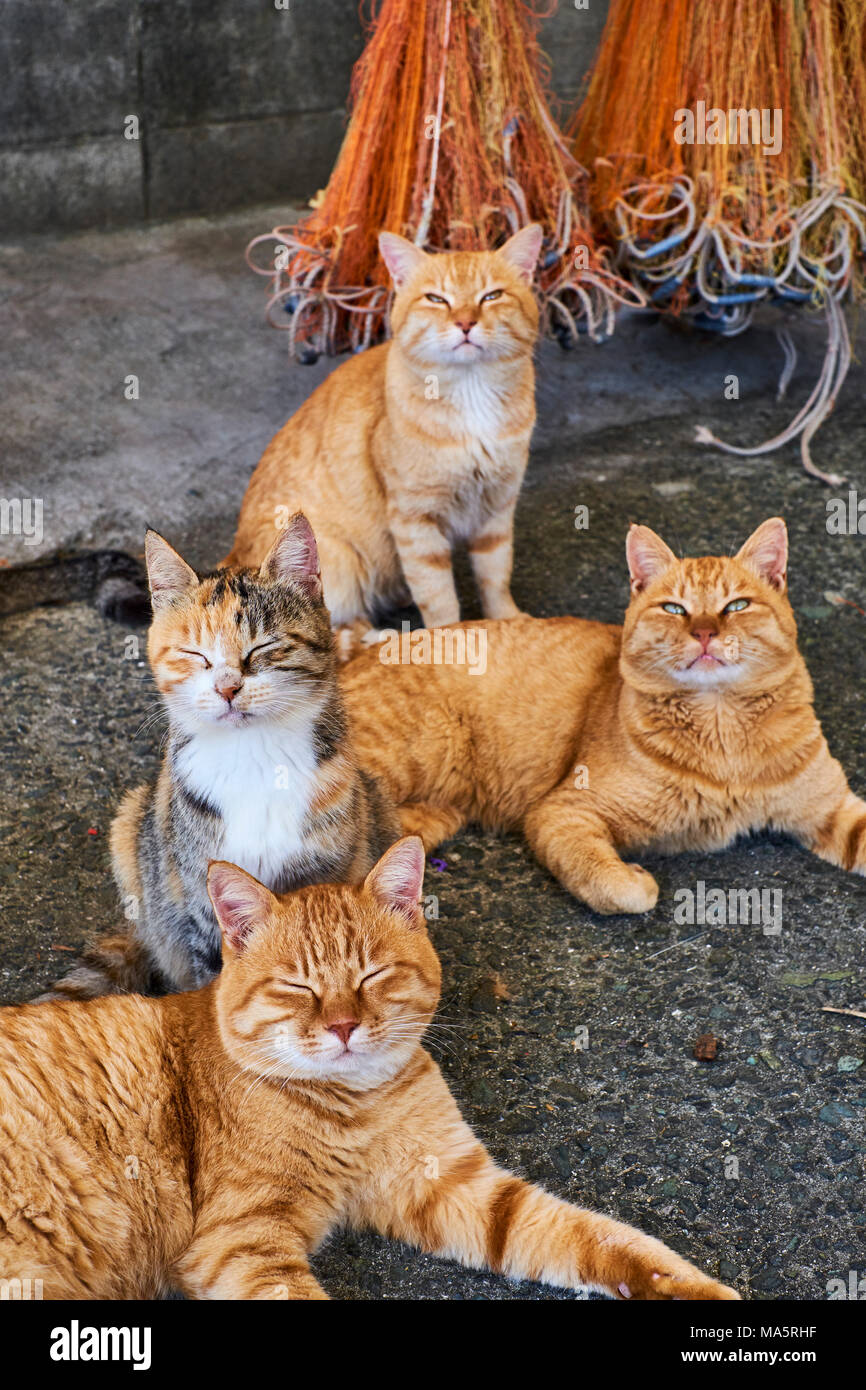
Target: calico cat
<point>416,443</point>
<point>688,726</point>
<point>258,766</point>
<point>210,1141</point>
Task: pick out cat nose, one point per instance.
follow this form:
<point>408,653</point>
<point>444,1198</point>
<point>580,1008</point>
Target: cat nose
<point>228,684</point>
<point>344,1028</point>
<point>704,635</point>
<point>466,325</point>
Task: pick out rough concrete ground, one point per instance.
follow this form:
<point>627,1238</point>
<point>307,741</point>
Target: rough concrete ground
<point>632,1124</point>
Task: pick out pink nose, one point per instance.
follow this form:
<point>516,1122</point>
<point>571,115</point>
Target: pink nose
<point>704,635</point>
<point>466,325</point>
<point>343,1029</point>
<point>228,685</point>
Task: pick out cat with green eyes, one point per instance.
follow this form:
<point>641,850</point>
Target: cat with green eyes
<point>689,725</point>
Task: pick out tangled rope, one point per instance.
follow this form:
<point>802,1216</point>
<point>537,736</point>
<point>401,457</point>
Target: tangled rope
<point>452,143</point>
<point>715,274</point>
<point>728,169</point>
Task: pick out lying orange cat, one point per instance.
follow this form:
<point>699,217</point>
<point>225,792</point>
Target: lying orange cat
<point>414,444</point>
<point>212,1140</point>
<point>690,725</point>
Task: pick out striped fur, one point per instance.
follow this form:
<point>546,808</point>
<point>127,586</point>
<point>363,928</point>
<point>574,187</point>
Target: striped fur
<point>265,778</point>
<point>415,444</point>
<point>210,1141</point>
<point>598,741</point>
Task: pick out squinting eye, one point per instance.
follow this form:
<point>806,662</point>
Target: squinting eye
<point>198,655</point>
<point>262,647</point>
<point>736,605</point>
<point>372,976</point>
<point>490,295</point>
<point>436,298</point>
<point>674,608</point>
<point>292,984</point>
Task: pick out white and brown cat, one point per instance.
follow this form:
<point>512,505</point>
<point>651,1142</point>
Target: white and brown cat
<point>257,766</point>
<point>416,444</point>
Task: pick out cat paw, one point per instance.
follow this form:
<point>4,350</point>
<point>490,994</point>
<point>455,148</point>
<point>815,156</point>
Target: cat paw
<point>505,611</point>
<point>633,890</point>
<point>352,638</point>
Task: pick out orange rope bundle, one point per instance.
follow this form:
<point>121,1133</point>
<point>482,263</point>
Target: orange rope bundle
<point>726,144</point>
<point>451,143</point>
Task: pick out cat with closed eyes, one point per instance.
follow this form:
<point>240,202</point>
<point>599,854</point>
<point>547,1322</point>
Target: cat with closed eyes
<point>258,766</point>
<point>210,1141</point>
<point>691,724</point>
<point>415,444</point>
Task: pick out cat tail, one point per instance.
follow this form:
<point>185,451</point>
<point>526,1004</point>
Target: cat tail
<point>114,964</point>
<point>114,581</point>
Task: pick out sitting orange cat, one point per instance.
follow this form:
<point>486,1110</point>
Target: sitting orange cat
<point>690,725</point>
<point>212,1140</point>
<point>414,444</point>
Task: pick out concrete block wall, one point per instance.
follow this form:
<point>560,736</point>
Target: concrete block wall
<point>237,102</point>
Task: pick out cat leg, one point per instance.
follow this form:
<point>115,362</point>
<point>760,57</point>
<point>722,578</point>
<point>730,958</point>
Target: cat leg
<point>346,584</point>
<point>454,1201</point>
<point>491,552</point>
<point>425,557</point>
<point>352,638</point>
<point>832,826</point>
<point>254,1263</point>
<point>116,964</point>
<point>433,823</point>
<point>573,841</point>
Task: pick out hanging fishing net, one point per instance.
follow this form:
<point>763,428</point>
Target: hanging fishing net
<point>726,147</point>
<point>451,143</point>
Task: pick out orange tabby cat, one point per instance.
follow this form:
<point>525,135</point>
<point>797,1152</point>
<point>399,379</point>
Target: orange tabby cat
<point>212,1140</point>
<point>688,726</point>
<point>416,443</point>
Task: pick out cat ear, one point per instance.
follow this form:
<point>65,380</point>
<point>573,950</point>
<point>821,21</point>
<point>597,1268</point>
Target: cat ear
<point>398,878</point>
<point>294,557</point>
<point>766,552</point>
<point>523,249</point>
<point>168,575</point>
<point>400,256</point>
<point>239,901</point>
<point>647,556</point>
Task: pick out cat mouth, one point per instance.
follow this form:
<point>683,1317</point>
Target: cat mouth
<point>704,659</point>
<point>233,716</point>
<point>346,1060</point>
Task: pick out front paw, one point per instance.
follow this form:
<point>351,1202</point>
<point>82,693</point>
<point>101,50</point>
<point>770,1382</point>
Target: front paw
<point>504,609</point>
<point>631,889</point>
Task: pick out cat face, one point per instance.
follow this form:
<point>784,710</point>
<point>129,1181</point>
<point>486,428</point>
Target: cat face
<point>331,983</point>
<point>712,623</point>
<point>239,646</point>
<point>463,308</point>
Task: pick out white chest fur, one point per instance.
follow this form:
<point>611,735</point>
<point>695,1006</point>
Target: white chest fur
<point>262,781</point>
<point>481,402</point>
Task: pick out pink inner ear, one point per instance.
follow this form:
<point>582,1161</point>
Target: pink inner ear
<point>523,249</point>
<point>239,903</point>
<point>647,556</point>
<point>295,555</point>
<point>400,257</point>
<point>398,878</point>
<point>767,552</point>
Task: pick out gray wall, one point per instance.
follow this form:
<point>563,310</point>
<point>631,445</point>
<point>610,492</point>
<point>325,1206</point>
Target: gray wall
<point>238,102</point>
